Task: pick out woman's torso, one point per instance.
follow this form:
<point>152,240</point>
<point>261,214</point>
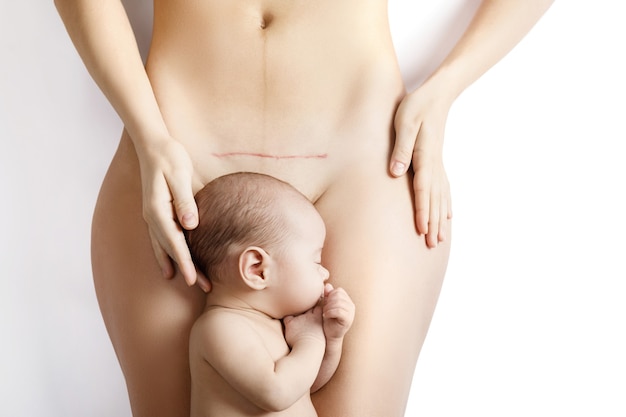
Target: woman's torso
<point>296,89</point>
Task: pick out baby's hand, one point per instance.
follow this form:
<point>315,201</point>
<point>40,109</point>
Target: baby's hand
<point>338,312</point>
<point>306,325</point>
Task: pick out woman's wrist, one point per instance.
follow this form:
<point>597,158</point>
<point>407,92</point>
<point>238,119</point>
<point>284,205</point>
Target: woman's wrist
<point>147,136</point>
<point>143,120</point>
<point>445,85</point>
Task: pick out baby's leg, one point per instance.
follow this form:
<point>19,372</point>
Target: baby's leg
<point>148,317</point>
<point>374,252</point>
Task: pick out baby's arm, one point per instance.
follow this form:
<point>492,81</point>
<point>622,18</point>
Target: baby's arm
<point>234,348</point>
<point>338,316</point>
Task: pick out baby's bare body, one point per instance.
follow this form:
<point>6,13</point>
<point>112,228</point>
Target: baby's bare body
<point>212,395</point>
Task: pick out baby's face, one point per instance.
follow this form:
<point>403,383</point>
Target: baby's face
<point>301,273</point>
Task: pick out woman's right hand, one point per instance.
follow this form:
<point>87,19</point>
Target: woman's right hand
<point>169,205</point>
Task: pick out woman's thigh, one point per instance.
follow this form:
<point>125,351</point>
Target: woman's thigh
<point>147,316</point>
<point>373,251</point>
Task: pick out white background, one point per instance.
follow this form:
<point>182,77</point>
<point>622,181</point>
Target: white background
<point>531,321</point>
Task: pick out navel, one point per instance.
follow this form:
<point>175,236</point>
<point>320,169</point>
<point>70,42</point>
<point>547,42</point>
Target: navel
<point>266,20</point>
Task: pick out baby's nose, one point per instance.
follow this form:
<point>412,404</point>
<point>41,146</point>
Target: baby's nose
<point>325,273</point>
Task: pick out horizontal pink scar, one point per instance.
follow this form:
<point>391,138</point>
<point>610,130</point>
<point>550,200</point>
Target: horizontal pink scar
<point>268,156</point>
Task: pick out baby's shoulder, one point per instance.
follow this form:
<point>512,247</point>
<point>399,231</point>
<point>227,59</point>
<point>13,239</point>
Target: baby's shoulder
<point>220,319</point>
<point>218,331</point>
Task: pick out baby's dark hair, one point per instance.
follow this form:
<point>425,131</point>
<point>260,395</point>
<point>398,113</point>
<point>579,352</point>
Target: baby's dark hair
<point>235,211</point>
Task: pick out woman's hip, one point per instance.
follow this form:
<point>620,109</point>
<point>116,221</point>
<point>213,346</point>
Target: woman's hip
<point>125,271</point>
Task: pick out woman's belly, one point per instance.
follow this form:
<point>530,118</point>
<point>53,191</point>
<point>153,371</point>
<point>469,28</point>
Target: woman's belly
<point>294,89</point>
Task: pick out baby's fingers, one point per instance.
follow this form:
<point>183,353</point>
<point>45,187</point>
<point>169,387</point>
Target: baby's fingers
<point>328,288</point>
<point>339,313</point>
<point>339,305</point>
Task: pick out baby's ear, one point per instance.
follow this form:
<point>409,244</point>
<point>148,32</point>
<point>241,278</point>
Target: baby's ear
<point>253,265</point>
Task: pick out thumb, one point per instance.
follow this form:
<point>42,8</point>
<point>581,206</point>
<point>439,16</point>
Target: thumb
<point>184,204</point>
<point>402,153</point>
<point>328,289</point>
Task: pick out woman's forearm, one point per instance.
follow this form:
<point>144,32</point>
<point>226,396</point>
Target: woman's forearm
<point>495,29</point>
<point>103,37</point>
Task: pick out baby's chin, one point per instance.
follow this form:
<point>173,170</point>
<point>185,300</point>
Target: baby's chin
<point>318,302</point>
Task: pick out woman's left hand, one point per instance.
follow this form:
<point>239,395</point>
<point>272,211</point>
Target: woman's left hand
<point>420,123</point>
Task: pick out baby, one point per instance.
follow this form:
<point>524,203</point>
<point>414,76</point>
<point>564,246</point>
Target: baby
<point>272,330</point>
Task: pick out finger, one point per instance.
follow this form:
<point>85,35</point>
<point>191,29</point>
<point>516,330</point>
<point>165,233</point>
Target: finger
<point>152,214</point>
<point>449,202</point>
<point>443,228</point>
<point>443,218</point>
<point>337,305</point>
<point>339,302</point>
<point>184,204</point>
<point>445,211</point>
<point>203,281</point>
<point>339,315</point>
<point>406,134</point>
<point>332,313</point>
<point>330,298</point>
<point>337,293</point>
<point>163,259</point>
<point>183,259</point>
<point>171,239</point>
<point>328,288</point>
<point>432,238</point>
<point>421,186</point>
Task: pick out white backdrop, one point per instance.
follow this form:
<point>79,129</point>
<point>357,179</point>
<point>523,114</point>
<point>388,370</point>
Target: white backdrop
<point>531,321</point>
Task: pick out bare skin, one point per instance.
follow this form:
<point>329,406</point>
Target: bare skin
<point>272,331</point>
<point>308,92</point>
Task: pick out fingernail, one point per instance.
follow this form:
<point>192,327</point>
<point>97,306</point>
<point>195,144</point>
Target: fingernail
<point>397,168</point>
<point>189,219</point>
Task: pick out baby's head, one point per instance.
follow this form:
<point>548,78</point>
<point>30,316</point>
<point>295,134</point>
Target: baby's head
<point>256,224</point>
<point>236,210</point>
